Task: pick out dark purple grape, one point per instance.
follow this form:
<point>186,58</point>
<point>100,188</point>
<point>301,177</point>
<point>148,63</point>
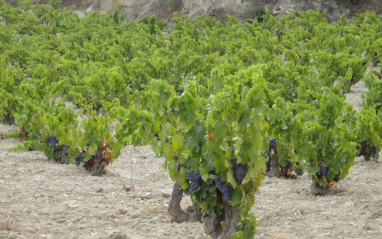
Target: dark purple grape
<point>272,144</point>
<point>227,192</point>
<point>218,181</point>
<point>298,171</point>
<point>323,172</point>
<point>195,179</point>
<point>288,167</point>
<point>337,177</point>
<point>47,141</point>
<point>223,187</point>
<point>362,148</point>
<point>99,157</point>
<point>78,159</point>
<point>240,171</point>
<point>53,141</point>
<point>374,150</point>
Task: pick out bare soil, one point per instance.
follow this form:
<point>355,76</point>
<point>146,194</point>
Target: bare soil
<point>45,199</point>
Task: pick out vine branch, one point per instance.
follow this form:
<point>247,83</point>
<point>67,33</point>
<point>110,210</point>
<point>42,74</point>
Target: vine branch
<point>169,146</point>
<point>169,115</point>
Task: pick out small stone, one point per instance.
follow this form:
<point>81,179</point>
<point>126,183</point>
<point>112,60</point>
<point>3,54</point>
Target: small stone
<point>118,235</point>
<point>69,202</point>
<point>146,196</point>
<point>12,235</point>
<point>373,233</point>
<point>73,205</point>
<point>155,220</point>
<point>122,211</point>
<point>366,228</point>
<point>375,215</point>
<point>136,214</point>
<point>324,235</point>
<point>166,195</point>
<point>329,226</point>
<point>334,202</point>
<point>349,204</point>
<point>48,236</point>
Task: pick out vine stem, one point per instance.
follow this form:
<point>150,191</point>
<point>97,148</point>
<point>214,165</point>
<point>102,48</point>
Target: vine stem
<point>245,130</point>
<point>169,115</point>
<point>233,151</point>
<point>42,126</point>
<point>169,146</point>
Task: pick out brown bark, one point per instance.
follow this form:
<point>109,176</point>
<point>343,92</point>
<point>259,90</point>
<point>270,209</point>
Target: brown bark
<point>176,211</point>
<point>64,155</point>
<point>317,189</point>
<point>273,166</point>
<point>213,223</point>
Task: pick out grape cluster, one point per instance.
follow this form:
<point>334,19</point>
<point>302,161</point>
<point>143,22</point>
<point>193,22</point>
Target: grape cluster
<point>337,177</point>
<point>374,150</point>
<point>223,187</point>
<point>195,179</point>
<point>240,171</point>
<point>298,171</point>
<point>288,167</point>
<point>53,141</point>
<point>99,157</point>
<point>179,91</point>
<point>272,145</point>
<point>361,148</point>
<point>289,171</point>
<point>78,159</point>
<point>324,173</point>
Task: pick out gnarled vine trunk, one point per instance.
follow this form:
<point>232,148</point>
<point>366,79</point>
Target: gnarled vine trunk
<point>273,166</point>
<point>213,223</point>
<point>176,211</point>
<point>64,155</point>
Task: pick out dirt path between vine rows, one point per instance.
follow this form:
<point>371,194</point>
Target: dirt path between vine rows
<point>44,199</point>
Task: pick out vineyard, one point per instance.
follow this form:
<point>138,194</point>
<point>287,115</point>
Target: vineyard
<point>228,111</point>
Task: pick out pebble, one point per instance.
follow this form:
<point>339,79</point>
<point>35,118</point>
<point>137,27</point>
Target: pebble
<point>166,195</point>
<point>146,196</point>
<point>327,234</point>
<point>334,202</point>
<point>374,233</point>
<point>48,236</point>
<point>118,235</point>
<point>350,204</point>
<point>329,226</point>
<point>12,235</point>
<point>136,214</point>
<point>122,211</point>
